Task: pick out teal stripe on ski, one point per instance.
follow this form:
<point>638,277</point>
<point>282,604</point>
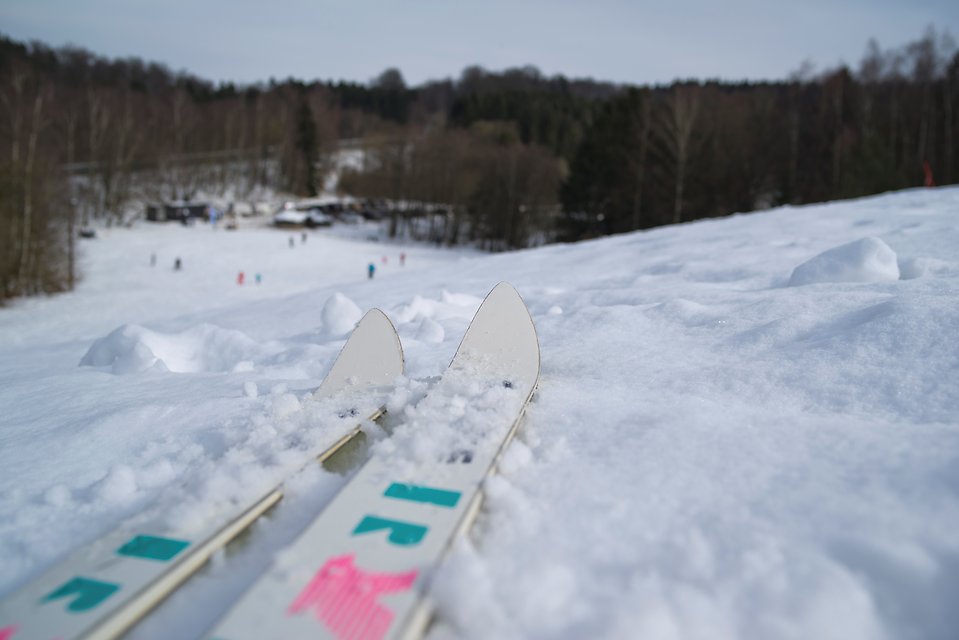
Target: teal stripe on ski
<point>153,548</point>
<point>415,493</point>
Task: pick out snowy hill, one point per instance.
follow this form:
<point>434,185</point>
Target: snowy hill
<point>745,428</point>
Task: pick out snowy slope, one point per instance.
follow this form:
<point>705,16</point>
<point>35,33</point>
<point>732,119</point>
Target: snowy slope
<point>745,428</point>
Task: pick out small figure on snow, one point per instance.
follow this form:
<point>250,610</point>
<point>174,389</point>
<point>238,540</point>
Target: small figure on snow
<point>177,265</point>
<point>292,242</point>
<point>153,259</point>
<point>303,238</point>
<point>239,278</point>
<point>259,278</point>
<point>402,259</point>
<point>928,180</point>
<point>371,270</point>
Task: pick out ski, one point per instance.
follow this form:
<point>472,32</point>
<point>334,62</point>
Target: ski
<point>105,587</point>
<point>361,570</point>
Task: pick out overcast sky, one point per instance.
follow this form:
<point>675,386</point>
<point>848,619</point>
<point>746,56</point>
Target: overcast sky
<point>636,42</point>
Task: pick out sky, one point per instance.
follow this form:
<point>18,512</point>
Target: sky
<point>616,40</point>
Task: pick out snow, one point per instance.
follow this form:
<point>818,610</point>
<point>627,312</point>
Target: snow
<point>744,428</point>
<point>865,260</point>
<point>133,349</point>
<point>339,315</point>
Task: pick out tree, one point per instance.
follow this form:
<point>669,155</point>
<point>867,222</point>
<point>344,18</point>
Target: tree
<point>305,145</point>
<point>599,195</point>
<point>676,127</point>
<point>390,80</point>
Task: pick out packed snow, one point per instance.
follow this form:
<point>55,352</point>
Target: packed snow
<point>744,428</point>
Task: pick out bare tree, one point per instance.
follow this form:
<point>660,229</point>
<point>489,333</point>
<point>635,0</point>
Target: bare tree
<point>676,128</point>
<point>26,243</point>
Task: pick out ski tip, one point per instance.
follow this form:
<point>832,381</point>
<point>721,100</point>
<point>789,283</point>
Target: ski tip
<point>372,356</point>
<point>504,293</point>
<point>375,315</point>
<point>503,285</point>
<point>387,328</point>
<point>504,308</point>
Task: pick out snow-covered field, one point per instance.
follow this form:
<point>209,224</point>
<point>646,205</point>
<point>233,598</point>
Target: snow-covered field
<point>745,428</point>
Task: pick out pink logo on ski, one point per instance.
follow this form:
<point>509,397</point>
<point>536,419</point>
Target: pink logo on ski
<point>343,598</point>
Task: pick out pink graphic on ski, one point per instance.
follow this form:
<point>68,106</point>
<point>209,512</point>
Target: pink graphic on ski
<point>343,597</point>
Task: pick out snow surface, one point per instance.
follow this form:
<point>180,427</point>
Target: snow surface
<point>745,428</point>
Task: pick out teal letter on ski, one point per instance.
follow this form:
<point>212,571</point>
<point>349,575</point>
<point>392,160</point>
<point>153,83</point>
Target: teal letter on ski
<point>414,493</point>
<point>153,548</point>
<point>89,593</point>
<point>401,533</point>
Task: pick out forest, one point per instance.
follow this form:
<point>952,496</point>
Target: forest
<point>513,158</point>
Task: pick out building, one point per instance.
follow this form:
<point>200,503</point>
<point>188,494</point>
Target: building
<point>178,211</point>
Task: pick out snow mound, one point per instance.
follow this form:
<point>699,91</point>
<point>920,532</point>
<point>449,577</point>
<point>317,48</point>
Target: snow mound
<point>119,486</point>
<point>912,268</point>
<point>204,348</point>
<point>450,305</point>
<point>865,260</point>
<point>430,331</point>
<point>339,315</point>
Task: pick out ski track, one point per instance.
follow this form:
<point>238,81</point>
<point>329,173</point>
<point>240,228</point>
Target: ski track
<point>745,427</point>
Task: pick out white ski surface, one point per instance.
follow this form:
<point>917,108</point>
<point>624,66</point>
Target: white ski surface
<point>105,587</point>
<point>360,571</point>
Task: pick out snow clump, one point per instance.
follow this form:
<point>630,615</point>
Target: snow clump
<point>203,348</point>
<point>865,260</point>
<point>340,315</point>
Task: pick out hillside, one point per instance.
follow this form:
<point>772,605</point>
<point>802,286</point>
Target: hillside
<point>745,427</point>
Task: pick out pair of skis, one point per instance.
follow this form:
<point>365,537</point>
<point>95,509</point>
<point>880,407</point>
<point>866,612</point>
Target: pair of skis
<point>360,570</point>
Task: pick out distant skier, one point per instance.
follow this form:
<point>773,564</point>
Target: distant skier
<point>153,259</point>
<point>292,242</point>
<point>371,270</point>
<point>928,180</point>
<point>303,238</point>
<point>240,277</point>
<point>402,259</point>
<point>177,265</point>
<point>259,278</point>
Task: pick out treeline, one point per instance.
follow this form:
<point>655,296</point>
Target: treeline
<point>628,158</point>
<point>492,190</point>
<point>510,159</point>
<point>664,155</point>
<point>85,138</point>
